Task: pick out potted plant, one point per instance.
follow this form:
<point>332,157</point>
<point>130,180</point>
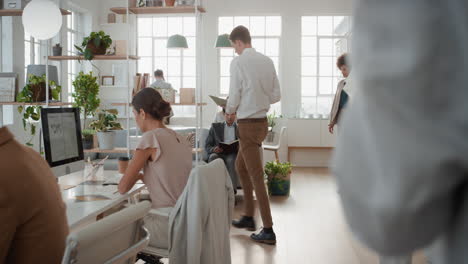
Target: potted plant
<point>271,124</point>
<point>104,125</point>
<point>86,95</point>
<point>34,91</point>
<point>278,177</point>
<point>57,50</point>
<point>88,138</point>
<point>95,44</point>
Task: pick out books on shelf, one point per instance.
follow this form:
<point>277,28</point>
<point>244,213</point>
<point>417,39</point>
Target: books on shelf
<point>140,82</point>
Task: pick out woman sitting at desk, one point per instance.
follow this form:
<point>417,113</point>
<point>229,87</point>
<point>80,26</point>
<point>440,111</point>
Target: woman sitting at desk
<point>164,156</point>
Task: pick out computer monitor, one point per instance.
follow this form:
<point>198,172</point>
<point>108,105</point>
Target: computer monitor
<point>62,140</point>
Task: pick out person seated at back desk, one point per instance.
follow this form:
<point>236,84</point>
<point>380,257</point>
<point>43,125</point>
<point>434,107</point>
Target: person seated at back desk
<point>225,132</point>
<point>33,221</point>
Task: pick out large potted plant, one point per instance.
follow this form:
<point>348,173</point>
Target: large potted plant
<point>278,177</point>
<point>86,95</point>
<point>95,44</point>
<point>104,125</point>
<point>34,91</point>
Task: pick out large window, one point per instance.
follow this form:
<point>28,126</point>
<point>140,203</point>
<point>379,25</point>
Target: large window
<point>324,39</point>
<point>179,66</point>
<point>265,32</point>
<point>74,37</point>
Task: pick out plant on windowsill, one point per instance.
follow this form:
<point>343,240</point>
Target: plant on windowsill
<point>105,126</point>
<point>95,44</point>
<point>278,176</point>
<point>33,92</point>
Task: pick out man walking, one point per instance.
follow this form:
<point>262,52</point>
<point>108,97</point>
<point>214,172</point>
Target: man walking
<point>254,87</point>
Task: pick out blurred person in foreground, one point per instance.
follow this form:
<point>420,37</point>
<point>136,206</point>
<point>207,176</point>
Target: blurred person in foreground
<point>408,187</point>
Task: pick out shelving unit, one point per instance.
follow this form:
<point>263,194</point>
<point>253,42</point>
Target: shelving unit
<point>96,57</point>
<point>19,12</point>
<point>41,103</point>
<point>157,10</point>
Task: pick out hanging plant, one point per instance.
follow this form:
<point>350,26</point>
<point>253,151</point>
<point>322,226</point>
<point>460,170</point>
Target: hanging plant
<point>34,91</point>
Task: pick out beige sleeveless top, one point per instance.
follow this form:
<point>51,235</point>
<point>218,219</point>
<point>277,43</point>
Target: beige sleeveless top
<point>166,175</point>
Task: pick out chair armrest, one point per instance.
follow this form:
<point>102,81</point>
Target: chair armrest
<point>161,211</point>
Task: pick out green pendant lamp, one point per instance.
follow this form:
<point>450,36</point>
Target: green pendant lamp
<point>177,42</point>
<point>223,42</point>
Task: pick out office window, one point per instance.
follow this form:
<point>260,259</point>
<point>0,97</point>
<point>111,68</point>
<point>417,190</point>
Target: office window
<point>324,39</point>
<point>75,36</point>
<point>32,52</point>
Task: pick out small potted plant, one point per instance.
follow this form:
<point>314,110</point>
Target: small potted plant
<point>57,50</point>
<point>86,95</point>
<point>34,91</point>
<point>278,177</point>
<point>88,138</point>
<point>95,44</point>
<point>104,125</point>
<point>271,124</point>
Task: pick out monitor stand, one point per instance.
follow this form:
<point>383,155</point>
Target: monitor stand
<point>68,168</point>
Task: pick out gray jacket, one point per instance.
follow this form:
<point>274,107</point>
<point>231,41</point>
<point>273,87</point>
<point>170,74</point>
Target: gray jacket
<point>216,136</point>
<point>408,122</point>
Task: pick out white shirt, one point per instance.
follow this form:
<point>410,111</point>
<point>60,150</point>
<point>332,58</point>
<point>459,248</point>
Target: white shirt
<point>229,133</point>
<point>159,83</point>
<point>254,85</point>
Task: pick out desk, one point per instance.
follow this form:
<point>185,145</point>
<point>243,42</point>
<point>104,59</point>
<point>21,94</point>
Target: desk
<point>82,212</point>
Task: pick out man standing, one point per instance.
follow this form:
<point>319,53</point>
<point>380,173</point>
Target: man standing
<point>254,87</point>
<point>224,132</point>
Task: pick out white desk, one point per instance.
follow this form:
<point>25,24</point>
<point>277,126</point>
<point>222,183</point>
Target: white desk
<point>82,212</point>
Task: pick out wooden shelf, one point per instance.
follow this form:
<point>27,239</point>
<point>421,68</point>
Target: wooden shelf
<point>96,57</point>
<point>124,150</point>
<point>157,10</point>
<point>42,103</point>
<point>123,104</point>
<point>19,12</point>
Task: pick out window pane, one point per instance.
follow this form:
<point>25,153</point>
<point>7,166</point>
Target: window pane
<point>145,27</point>
<point>175,81</point>
<point>175,25</point>
<point>309,46</point>
<point>339,25</point>
<point>226,52</point>
<point>192,47</point>
<point>273,26</point>
<point>161,64</point>
<point>145,65</point>
<point>37,54</point>
<point>259,44</point>
<point>160,26</point>
<point>225,64</point>
<point>309,105</point>
<point>189,67</point>
<point>257,26</point>
<point>325,25</point>
<point>145,47</point>
<point>160,47</point>
<point>326,47</point>
<point>174,52</point>
<point>309,26</point>
<point>309,86</point>
<point>225,85</point>
<point>27,53</point>
<point>324,105</point>
<point>189,26</point>
<point>190,82</point>
<point>241,21</point>
<point>225,26</point>
<point>309,66</point>
<point>174,66</point>
<point>325,85</point>
<point>326,66</point>
<point>272,47</point>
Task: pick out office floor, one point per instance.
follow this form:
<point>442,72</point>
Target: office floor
<point>309,225</point>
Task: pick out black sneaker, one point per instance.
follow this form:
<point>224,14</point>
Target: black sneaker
<point>245,222</point>
<point>264,237</point>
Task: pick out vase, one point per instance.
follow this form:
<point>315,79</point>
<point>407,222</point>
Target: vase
<point>170,2</point>
<point>57,51</point>
<point>106,140</point>
<point>279,185</point>
<point>270,136</point>
<point>88,143</point>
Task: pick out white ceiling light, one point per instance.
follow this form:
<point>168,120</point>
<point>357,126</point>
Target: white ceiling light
<point>42,19</point>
